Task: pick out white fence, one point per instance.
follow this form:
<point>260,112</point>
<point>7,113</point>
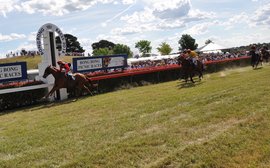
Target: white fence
<point>11,90</point>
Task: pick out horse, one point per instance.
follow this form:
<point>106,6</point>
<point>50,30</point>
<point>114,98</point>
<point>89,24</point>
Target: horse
<point>80,83</point>
<point>265,55</point>
<point>256,58</point>
<point>189,69</point>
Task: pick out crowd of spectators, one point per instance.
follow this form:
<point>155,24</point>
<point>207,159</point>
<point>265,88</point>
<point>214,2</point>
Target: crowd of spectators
<point>152,63</point>
<point>220,56</point>
<point>172,61</point>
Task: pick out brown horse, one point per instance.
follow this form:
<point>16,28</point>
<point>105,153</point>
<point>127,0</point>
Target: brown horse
<point>189,69</point>
<point>80,83</point>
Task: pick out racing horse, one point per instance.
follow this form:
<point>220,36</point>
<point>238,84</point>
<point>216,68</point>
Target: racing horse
<point>80,83</point>
<point>265,54</point>
<point>189,69</point>
<point>255,59</point>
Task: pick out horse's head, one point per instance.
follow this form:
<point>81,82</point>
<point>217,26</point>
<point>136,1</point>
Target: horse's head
<point>47,71</point>
<point>180,59</point>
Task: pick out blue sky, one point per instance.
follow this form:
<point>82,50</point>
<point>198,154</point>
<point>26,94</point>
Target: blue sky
<point>229,23</point>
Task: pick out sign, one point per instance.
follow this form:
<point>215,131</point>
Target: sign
<point>88,64</point>
<point>52,28</point>
<point>13,71</point>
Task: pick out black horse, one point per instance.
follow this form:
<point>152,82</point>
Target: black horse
<point>255,59</point>
<point>189,69</point>
<point>265,55</point>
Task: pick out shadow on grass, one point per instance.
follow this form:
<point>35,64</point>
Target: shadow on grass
<point>183,84</point>
<point>258,68</point>
<point>42,104</point>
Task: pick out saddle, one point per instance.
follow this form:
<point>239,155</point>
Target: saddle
<point>191,63</point>
<point>70,77</point>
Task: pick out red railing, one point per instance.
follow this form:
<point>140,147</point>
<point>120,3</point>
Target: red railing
<point>139,71</point>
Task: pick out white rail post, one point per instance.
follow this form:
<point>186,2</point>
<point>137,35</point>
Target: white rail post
<point>50,55</point>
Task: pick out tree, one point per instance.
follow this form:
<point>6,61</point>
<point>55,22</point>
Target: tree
<point>208,41</point>
<point>122,49</point>
<point>143,46</point>
<point>164,49</point>
<point>103,44</point>
<point>187,42</point>
<point>72,44</point>
<point>102,52</point>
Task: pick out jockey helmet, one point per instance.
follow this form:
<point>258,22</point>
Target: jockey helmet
<point>60,62</point>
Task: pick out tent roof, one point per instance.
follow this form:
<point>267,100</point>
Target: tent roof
<point>212,47</point>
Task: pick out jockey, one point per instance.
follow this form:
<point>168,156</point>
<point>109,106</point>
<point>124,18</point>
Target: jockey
<point>193,56</point>
<point>254,56</point>
<point>66,66</point>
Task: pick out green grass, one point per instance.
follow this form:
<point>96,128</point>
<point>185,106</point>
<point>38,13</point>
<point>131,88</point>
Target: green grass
<point>223,121</point>
<point>32,62</point>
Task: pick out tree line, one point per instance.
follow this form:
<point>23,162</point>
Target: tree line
<point>105,47</point>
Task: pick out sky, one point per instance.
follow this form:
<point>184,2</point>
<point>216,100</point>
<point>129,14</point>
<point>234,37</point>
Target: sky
<point>230,23</point>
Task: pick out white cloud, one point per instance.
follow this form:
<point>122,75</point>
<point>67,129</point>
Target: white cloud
<point>198,29</point>
<point>28,46</point>
<point>11,37</point>
<point>163,15</point>
<point>6,6</point>
<point>262,16</point>
<point>126,30</point>
<point>32,37</point>
<point>237,19</point>
<point>128,2</point>
<point>139,17</point>
<point>235,40</point>
<point>52,7</point>
<point>171,9</point>
<point>86,44</point>
<point>197,15</point>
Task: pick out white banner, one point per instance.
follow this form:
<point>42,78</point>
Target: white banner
<point>9,72</point>
<point>116,62</point>
<point>89,64</point>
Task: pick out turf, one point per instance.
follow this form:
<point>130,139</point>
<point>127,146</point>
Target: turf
<point>222,121</point>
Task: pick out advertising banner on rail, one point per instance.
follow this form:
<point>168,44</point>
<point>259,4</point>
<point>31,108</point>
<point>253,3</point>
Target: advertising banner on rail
<point>13,71</point>
<point>90,64</point>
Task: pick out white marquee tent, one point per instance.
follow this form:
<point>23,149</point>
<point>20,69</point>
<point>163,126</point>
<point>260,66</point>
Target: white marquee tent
<point>212,47</point>
<point>152,58</point>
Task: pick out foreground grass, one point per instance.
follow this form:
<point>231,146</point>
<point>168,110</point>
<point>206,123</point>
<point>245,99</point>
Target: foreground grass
<point>32,62</point>
<point>223,121</point>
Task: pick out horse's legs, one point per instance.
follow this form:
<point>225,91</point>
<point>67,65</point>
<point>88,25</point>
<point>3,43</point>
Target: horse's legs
<point>78,91</point>
<point>200,75</point>
<point>191,79</point>
<point>186,77</point>
<point>88,90</point>
<point>51,92</point>
<point>83,86</point>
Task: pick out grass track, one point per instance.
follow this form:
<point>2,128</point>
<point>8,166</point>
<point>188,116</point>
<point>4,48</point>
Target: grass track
<point>223,121</point>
